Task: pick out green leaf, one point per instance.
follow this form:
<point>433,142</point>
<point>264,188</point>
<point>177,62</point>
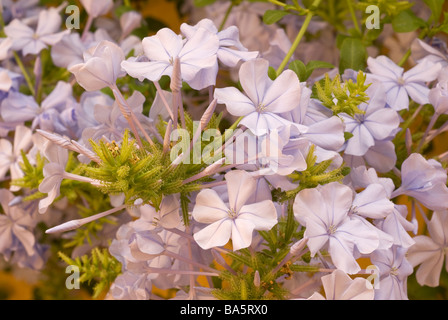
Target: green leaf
<point>273,16</point>
<point>436,7</point>
<point>353,55</point>
<point>272,73</point>
<point>300,69</point>
<point>407,21</point>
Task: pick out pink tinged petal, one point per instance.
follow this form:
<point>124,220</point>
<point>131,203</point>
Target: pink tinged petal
<point>46,202</point>
<point>165,45</point>
<point>215,235</point>
<point>254,79</point>
<point>22,139</point>
<point>382,123</point>
<point>209,207</point>
<point>241,233</point>
<point>262,214</point>
<point>361,141</point>
<point>438,227</point>
<point>5,45</point>
<point>240,186</point>
<point>284,94</point>
<point>6,236</point>
<point>237,104</point>
<point>430,256</point>
<point>152,71</point>
<point>96,8</point>
<point>373,203</point>
<point>231,57</point>
<point>49,22</point>
<point>338,199</point>
<point>339,286</point>
<point>385,67</point>
<point>5,162</point>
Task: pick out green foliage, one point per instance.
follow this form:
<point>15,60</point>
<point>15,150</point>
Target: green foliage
<point>304,71</point>
<point>343,97</point>
<point>100,267</point>
<point>353,55</point>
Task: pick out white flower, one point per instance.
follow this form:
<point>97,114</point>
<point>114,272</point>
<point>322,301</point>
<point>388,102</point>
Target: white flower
<point>231,51</point>
<point>235,221</point>
<point>429,251</point>
<point>339,286</point>
<point>33,41</point>
<point>197,57</point>
<point>264,100</point>
<point>101,67</point>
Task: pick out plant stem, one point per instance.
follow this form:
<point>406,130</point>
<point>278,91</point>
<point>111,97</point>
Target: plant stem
<point>353,15</point>
<point>25,73</point>
<point>299,37</point>
<point>226,17</point>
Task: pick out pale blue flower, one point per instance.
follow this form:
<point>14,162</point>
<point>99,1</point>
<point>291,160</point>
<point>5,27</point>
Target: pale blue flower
<point>424,180</point>
<point>16,234</point>
<point>394,270</point>
<point>401,85</point>
<point>377,123</point>
<point>18,107</point>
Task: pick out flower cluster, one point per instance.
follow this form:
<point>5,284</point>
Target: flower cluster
<point>222,151</point>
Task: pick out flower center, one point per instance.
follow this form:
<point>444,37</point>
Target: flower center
<point>261,108</point>
<point>394,271</point>
<point>232,213</point>
<point>401,81</point>
<point>332,229</point>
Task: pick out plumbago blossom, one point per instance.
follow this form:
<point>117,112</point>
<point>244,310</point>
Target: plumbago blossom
<point>208,162</point>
